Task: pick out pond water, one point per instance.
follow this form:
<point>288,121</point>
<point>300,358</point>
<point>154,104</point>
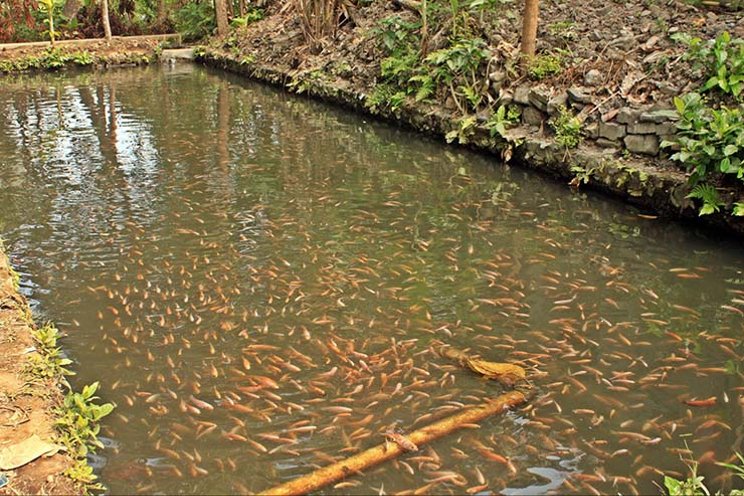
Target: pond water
<point>257,280</point>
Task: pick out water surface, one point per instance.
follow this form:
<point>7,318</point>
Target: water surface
<point>257,280</point>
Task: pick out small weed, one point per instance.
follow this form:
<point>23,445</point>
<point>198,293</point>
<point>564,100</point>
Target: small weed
<point>84,58</point>
<point>464,131</point>
<point>502,119</point>
<point>385,96</point>
<point>582,175</point>
<point>563,29</point>
<point>567,128</point>
<point>709,196</point>
<point>248,59</point>
<point>306,82</point>
<point>544,66</point>
<point>253,15</point>
<point>47,362</point>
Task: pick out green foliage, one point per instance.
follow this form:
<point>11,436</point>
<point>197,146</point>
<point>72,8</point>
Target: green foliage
<point>47,362</point>
<point>456,68</point>
<point>461,58</point>
<point>195,20</point>
<point>307,81</point>
<point>563,29</point>
<point>711,140</point>
<point>567,128</point>
<point>582,175</point>
<point>78,421</point>
<point>48,8</point>
<point>385,96</point>
<point>738,470</point>
<point>253,15</point>
<point>501,120</point>
<point>709,196</point>
<point>722,61</point>
<point>739,209</point>
<point>51,59</point>
<point>694,484</point>
<point>464,131</point>
<point>544,66</point>
<point>397,33</point>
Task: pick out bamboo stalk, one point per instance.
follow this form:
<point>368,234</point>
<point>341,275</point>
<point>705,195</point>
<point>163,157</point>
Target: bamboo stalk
<point>387,451</point>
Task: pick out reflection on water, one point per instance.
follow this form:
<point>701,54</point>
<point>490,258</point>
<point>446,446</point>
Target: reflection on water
<point>256,280</point>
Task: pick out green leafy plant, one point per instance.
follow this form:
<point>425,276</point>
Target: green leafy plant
<point>464,131</point>
<point>721,60</point>
<point>253,15</point>
<point>79,418</point>
<point>694,484</point>
<point>47,362</point>
<point>456,68</point>
<point>48,7</point>
<point>195,20</point>
<point>544,66</point>
<point>501,120</point>
<point>739,209</point>
<point>710,140</point>
<point>567,128</point>
<point>83,58</point>
<point>709,196</point>
<point>737,470</point>
<point>397,33</point>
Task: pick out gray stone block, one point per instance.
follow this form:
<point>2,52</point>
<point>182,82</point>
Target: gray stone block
<point>659,116</point>
<point>522,95</point>
<point>591,130</point>
<point>556,103</point>
<point>646,144</point>
<point>593,77</point>
<point>642,128</point>
<point>611,131</point>
<point>532,116</point>
<point>539,98</point>
<point>580,95</point>
<point>606,143</point>
<point>627,115</point>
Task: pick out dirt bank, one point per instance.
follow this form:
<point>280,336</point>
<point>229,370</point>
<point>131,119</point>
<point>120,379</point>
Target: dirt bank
<point>618,68</point>
<point>134,50</point>
<point>26,402</point>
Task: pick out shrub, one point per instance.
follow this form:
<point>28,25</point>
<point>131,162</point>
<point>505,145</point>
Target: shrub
<point>711,140</point>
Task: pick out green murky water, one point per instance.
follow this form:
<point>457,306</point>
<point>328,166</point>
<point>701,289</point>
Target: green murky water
<point>256,280</point>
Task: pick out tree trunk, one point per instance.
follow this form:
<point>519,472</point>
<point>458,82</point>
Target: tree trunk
<point>105,19</point>
<point>529,30</point>
<point>162,12</point>
<point>220,11</point>
<point>241,7</point>
<point>71,8</point>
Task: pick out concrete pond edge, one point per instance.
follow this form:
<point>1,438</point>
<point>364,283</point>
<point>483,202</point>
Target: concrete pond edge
<point>636,179</point>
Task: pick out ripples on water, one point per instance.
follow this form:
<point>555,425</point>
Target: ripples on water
<point>256,280</point>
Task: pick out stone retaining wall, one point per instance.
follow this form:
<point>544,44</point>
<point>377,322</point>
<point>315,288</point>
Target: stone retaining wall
<point>638,130</point>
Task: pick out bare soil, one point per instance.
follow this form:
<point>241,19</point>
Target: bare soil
<point>26,405</point>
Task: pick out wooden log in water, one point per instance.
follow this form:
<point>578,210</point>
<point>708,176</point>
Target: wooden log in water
<point>388,450</point>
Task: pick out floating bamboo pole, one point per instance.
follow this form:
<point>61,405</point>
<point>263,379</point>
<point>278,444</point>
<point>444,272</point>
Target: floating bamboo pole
<point>388,450</point>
